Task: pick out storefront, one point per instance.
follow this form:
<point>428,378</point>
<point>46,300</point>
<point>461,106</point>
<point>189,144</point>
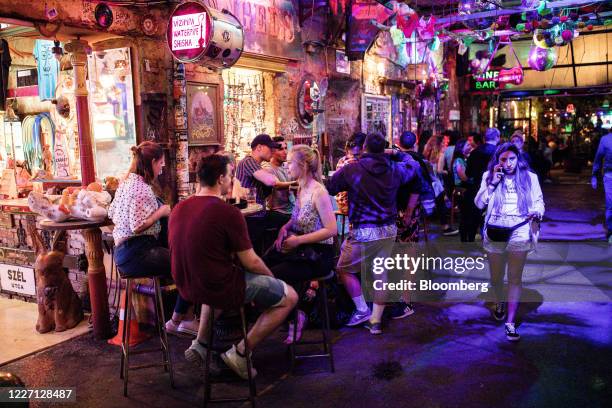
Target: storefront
<point>224,105</point>
<point>110,84</point>
<point>558,91</point>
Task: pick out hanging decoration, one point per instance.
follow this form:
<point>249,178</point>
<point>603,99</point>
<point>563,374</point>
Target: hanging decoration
<point>542,59</point>
<point>550,26</point>
<point>474,6</point>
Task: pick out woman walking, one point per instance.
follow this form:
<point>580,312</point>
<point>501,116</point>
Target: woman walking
<point>304,247</point>
<point>513,199</point>
<point>136,213</point>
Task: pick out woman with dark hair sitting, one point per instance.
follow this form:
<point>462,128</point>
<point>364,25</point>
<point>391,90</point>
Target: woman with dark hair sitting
<point>513,199</point>
<point>136,213</point>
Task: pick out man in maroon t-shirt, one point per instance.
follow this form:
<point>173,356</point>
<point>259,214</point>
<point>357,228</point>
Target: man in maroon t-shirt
<point>206,235</point>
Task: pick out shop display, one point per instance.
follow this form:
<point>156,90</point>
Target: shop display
<point>89,204</point>
<point>244,108</point>
<point>59,307</point>
<point>48,69</point>
<point>111,103</point>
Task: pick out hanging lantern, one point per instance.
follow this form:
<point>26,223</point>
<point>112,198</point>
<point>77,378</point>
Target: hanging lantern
<point>542,59</point>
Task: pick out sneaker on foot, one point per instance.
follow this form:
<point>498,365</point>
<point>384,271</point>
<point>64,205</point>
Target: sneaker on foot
<point>196,353</point>
<point>359,317</point>
<point>172,327</point>
<point>401,310</point>
<point>301,319</point>
<point>500,311</point>
<point>374,328</point>
<point>189,327</point>
<point>450,231</point>
<point>511,333</point>
<point>237,363</point>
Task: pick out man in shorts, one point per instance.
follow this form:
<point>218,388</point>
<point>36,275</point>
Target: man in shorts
<point>372,184</point>
<point>206,235</point>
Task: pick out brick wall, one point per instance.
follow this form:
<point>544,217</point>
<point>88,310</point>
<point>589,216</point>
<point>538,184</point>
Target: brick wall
<point>16,237</point>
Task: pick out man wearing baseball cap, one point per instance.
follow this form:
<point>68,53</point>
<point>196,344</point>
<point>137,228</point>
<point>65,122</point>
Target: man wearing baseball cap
<point>251,175</point>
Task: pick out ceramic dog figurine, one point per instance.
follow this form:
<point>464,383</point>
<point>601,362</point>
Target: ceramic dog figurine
<point>59,307</point>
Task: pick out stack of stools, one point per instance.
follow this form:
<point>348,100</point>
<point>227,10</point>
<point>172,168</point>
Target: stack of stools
<point>247,353</point>
<point>325,330</point>
<point>160,319</point>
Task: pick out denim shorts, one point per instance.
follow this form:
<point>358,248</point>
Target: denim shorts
<point>265,291</point>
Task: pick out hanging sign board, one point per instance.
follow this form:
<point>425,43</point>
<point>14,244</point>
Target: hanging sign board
<point>497,79</point>
<point>17,279</point>
<point>204,35</point>
<point>188,33</point>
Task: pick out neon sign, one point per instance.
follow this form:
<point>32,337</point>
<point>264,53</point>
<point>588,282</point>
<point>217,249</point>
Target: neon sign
<point>189,31</point>
<point>497,79</point>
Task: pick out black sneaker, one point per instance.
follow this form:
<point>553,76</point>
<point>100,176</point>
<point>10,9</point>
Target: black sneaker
<point>450,231</point>
<point>511,333</point>
<point>401,310</point>
<point>374,328</point>
<point>500,311</point>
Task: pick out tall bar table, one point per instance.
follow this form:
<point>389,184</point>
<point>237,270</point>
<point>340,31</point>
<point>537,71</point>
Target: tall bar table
<point>96,274</point>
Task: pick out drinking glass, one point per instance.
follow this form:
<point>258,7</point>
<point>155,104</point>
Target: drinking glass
<point>251,195</point>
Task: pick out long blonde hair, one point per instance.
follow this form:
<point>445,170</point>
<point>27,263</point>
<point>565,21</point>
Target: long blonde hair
<point>522,179</point>
<point>305,155</point>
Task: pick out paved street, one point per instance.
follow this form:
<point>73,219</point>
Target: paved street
<point>445,355</point>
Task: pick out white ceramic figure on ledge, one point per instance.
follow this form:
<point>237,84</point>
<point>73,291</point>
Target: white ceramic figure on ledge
<point>89,204</point>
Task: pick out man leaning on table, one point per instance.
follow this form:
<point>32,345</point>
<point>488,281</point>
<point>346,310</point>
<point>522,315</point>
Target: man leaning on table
<point>251,174</point>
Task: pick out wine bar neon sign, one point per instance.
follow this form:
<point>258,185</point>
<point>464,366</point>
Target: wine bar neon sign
<point>498,79</point>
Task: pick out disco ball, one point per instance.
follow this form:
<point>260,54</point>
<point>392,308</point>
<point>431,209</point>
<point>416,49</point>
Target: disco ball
<point>542,59</point>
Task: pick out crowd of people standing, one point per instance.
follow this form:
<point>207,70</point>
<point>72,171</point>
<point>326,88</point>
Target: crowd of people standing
<point>221,260</point>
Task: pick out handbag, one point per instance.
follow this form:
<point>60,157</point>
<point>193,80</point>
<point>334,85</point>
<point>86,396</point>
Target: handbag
<point>303,253</point>
<point>502,234</point>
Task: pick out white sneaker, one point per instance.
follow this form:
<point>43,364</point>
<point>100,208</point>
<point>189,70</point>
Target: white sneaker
<point>237,363</point>
<point>171,327</point>
<point>196,353</point>
<point>189,327</point>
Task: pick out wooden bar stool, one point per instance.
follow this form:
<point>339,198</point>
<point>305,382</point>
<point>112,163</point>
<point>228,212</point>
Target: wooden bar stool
<point>208,383</point>
<point>325,339</point>
<point>160,320</point>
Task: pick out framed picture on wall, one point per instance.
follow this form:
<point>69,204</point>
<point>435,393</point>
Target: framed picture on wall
<point>376,115</point>
<point>203,114</point>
